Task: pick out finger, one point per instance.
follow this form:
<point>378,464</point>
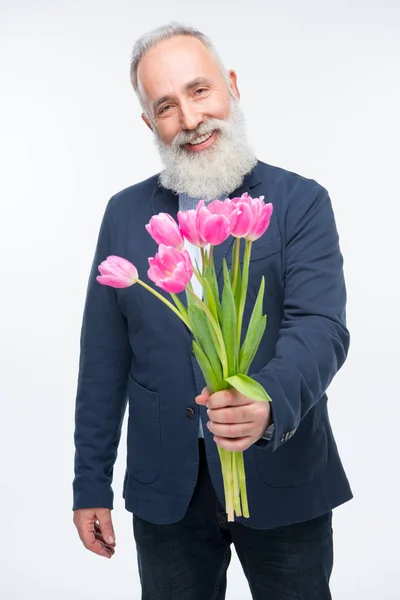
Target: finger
<point>106,527</point>
<point>228,398</point>
<point>234,445</point>
<point>99,538</point>
<point>231,414</point>
<point>101,549</point>
<point>90,542</point>
<point>236,430</point>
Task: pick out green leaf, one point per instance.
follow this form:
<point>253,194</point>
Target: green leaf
<point>249,387</point>
<point>209,299</point>
<point>247,356</point>
<point>190,300</point>
<point>235,252</point>
<point>247,352</point>
<point>238,289</point>
<point>205,366</point>
<point>212,280</point>
<point>205,337</point>
<point>228,321</point>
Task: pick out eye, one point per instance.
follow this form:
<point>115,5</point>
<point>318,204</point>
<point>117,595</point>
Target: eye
<point>164,108</point>
<point>200,91</point>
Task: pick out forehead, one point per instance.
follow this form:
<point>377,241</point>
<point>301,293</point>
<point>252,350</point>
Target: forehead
<point>172,63</point>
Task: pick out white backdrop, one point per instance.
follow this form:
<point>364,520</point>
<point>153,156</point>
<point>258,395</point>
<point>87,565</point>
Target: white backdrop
<point>320,89</point>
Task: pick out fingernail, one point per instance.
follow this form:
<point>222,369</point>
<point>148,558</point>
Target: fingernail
<point>111,539</point>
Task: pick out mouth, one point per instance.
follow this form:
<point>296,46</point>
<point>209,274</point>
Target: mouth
<point>201,142</point>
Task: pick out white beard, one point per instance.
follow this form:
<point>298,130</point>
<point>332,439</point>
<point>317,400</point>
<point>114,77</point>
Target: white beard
<point>215,171</point>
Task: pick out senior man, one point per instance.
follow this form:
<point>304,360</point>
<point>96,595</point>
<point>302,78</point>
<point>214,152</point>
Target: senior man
<point>133,347</point>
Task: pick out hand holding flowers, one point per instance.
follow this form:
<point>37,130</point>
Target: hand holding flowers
<point>236,421</point>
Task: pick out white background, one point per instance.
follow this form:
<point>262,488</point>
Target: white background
<point>320,90</point>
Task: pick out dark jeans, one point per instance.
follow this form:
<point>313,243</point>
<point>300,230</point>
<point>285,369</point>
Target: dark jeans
<point>188,560</point>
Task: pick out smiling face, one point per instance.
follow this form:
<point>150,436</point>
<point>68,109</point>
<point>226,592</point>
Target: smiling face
<point>193,111</point>
<point>181,85</point>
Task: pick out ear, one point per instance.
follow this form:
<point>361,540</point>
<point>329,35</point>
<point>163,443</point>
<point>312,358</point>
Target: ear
<point>233,83</point>
<point>147,121</point>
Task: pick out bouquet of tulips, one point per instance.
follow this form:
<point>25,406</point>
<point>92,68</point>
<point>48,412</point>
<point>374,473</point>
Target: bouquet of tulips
<point>223,353</point>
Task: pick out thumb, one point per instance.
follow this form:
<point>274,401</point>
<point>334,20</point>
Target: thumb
<point>106,526</point>
<point>203,397</point>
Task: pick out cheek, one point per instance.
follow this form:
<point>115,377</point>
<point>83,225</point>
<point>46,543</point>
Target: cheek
<point>219,107</point>
<point>167,132</point>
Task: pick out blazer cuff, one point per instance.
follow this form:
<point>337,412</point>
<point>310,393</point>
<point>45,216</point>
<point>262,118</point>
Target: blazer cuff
<point>265,440</point>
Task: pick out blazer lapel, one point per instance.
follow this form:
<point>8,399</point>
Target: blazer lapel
<point>164,200</point>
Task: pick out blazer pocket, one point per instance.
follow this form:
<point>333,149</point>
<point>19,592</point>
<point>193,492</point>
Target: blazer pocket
<point>144,435</point>
<point>261,249</point>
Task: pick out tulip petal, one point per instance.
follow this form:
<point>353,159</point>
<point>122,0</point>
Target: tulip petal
<point>117,272</point>
<point>201,217</point>
<point>164,230</point>
<point>244,220</point>
<point>188,227</point>
<point>262,223</point>
<point>216,229</point>
<point>155,273</point>
<point>168,257</point>
<point>170,269</point>
<point>115,282</point>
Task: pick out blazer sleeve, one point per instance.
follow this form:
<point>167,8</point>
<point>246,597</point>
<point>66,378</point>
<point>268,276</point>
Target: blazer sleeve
<point>105,358</point>
<point>313,339</point>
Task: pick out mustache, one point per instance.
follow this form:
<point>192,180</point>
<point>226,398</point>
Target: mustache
<point>184,137</point>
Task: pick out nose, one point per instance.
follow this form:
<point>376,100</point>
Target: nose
<point>190,117</point>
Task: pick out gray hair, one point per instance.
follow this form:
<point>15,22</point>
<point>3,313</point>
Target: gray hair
<point>166,32</point>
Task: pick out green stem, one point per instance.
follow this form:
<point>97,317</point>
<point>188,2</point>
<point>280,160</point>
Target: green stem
<point>227,467</point>
<point>236,489</point>
<point>211,255</point>
<point>243,291</point>
<point>179,305</point>
<point>167,302</point>
<point>222,453</point>
<point>217,330</point>
<point>204,259</point>
<point>235,264</point>
<point>242,484</point>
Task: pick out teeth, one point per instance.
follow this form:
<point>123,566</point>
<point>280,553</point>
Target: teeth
<point>201,139</point>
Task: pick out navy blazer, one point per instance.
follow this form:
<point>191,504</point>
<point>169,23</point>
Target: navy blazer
<point>133,348</point>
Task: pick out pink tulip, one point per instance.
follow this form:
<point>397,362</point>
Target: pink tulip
<point>170,269</point>
<point>216,220</point>
<point>254,217</point>
<point>246,216</point>
<point>117,272</point>
<point>262,216</point>
<point>187,223</point>
<point>164,230</point>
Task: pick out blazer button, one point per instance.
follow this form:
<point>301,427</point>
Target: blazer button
<point>190,412</point>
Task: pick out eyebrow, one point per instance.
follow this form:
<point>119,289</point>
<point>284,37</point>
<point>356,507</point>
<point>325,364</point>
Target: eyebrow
<point>187,87</point>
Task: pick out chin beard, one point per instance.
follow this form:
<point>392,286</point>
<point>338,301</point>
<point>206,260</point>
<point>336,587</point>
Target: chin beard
<point>215,171</point>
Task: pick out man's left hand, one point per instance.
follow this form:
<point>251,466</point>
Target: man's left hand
<point>235,420</point>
